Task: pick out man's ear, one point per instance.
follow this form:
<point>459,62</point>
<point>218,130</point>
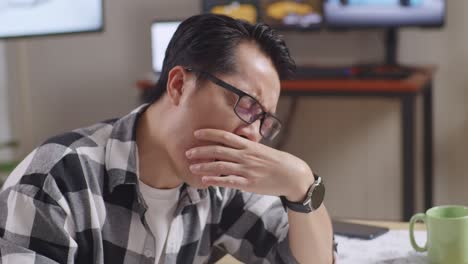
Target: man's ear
<point>175,84</point>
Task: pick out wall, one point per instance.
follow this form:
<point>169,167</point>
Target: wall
<point>60,83</point>
<point>64,82</point>
<point>448,49</point>
<point>5,129</point>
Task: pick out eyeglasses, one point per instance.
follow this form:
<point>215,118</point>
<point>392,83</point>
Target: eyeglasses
<point>247,108</point>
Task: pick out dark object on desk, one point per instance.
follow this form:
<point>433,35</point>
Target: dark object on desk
<point>353,72</point>
<point>353,230</point>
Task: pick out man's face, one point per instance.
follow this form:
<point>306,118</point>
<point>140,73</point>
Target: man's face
<point>211,106</point>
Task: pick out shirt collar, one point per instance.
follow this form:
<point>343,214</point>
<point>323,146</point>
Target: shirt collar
<point>122,157</point>
<point>121,150</point>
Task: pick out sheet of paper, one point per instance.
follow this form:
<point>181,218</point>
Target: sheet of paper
<point>393,247</point>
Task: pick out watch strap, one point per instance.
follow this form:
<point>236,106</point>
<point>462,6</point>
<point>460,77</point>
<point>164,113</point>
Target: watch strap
<point>302,207</point>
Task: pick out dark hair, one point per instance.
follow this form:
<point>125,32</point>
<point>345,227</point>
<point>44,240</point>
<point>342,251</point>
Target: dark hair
<point>207,42</point>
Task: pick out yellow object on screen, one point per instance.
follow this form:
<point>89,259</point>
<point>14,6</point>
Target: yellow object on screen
<point>280,9</point>
<point>238,11</point>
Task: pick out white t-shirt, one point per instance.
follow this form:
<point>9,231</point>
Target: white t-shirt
<point>161,206</point>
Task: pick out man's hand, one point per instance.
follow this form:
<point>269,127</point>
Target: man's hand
<point>249,166</point>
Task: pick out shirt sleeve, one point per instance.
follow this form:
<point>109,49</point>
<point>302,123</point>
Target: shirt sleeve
<point>254,229</point>
<point>34,224</point>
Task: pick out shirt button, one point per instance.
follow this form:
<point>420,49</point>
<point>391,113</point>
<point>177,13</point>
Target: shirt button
<point>148,253</point>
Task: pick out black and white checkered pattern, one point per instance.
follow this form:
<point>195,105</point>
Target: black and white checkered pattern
<point>75,199</point>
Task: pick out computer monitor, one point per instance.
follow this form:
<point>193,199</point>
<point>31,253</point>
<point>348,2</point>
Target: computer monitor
<point>24,18</point>
<point>279,14</point>
<point>384,13</point>
<point>161,34</point>
<point>292,14</point>
<point>240,9</point>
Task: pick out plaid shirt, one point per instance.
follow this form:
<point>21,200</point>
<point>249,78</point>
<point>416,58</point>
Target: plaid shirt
<point>75,199</point>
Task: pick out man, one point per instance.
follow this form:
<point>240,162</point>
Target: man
<point>183,179</point>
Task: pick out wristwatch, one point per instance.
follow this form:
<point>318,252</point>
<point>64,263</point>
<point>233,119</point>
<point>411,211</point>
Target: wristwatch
<point>313,200</point>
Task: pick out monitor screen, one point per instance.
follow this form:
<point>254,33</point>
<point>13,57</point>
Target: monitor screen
<point>20,18</point>
<point>384,13</point>
<point>239,9</point>
<point>291,14</point>
<point>161,34</point>
<point>279,14</point>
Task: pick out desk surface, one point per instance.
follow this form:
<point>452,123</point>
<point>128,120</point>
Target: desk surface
<point>390,224</point>
<point>414,83</point>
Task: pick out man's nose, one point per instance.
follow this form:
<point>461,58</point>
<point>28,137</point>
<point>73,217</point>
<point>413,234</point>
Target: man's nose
<point>250,131</point>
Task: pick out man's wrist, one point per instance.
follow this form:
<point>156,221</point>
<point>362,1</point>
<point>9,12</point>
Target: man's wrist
<point>299,193</point>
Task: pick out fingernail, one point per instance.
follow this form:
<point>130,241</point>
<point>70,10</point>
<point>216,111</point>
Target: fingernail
<point>197,133</point>
<point>194,167</point>
<point>188,153</point>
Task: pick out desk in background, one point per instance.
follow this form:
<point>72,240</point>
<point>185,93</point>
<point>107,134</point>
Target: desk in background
<point>406,90</point>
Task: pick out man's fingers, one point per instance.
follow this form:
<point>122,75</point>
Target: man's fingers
<point>231,181</point>
<point>214,152</point>
<point>221,136</point>
<point>216,168</point>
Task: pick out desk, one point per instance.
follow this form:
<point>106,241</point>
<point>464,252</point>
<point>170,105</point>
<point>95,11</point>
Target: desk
<point>391,247</point>
<point>419,83</point>
<point>389,224</point>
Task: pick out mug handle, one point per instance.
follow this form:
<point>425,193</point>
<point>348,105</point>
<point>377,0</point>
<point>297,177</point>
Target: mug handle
<point>417,217</point>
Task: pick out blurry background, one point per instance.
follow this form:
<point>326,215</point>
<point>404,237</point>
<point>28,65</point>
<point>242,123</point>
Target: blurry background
<point>49,85</point>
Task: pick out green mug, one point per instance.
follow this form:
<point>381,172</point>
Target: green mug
<point>447,234</point>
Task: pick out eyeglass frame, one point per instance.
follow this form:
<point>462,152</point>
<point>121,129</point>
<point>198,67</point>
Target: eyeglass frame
<point>262,116</point>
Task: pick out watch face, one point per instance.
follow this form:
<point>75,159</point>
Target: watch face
<point>317,196</point>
